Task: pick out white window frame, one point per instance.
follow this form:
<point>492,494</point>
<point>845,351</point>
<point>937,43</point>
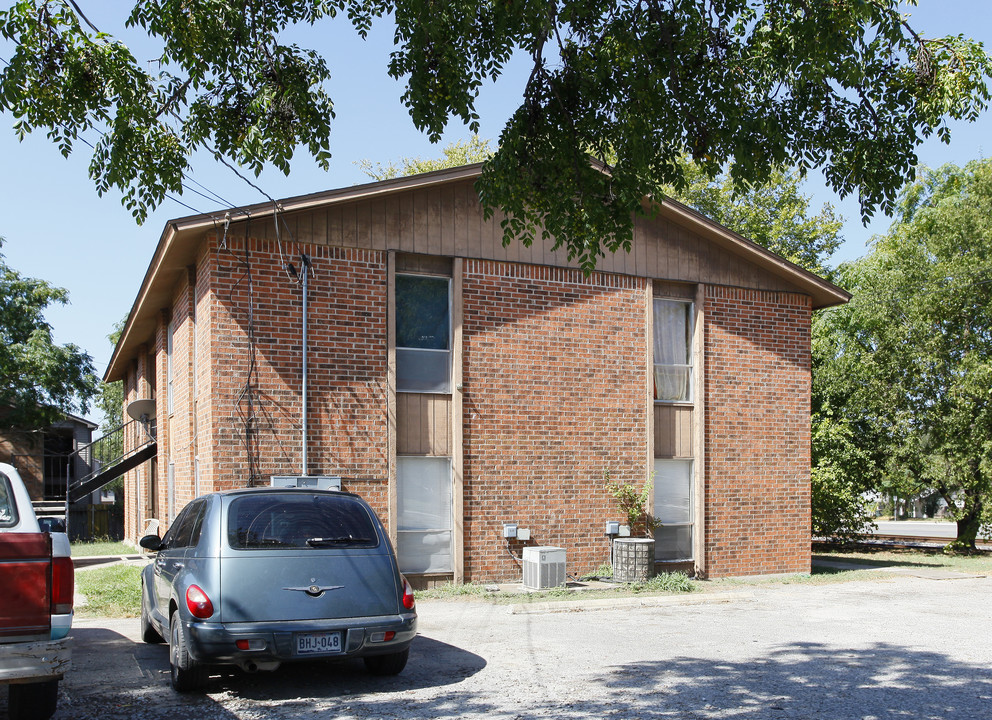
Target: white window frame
<point>447,353</point>
<point>169,368</point>
<point>690,311</point>
<point>171,489</point>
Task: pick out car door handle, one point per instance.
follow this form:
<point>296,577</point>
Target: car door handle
<point>179,565</point>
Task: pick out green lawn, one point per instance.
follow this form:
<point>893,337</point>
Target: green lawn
<point>101,547</point>
<point>873,564</point>
<point>981,562</point>
<point>110,591</point>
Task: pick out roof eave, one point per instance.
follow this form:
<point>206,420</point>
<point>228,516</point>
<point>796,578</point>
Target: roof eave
<point>823,292</point>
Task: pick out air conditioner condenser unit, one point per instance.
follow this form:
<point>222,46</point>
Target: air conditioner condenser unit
<point>544,567</point>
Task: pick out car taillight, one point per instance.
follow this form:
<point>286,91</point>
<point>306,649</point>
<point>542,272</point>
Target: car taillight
<point>63,585</point>
<point>408,600</point>
<point>198,603</point>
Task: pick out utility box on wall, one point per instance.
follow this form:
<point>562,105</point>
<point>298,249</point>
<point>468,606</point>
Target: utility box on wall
<point>544,567</point>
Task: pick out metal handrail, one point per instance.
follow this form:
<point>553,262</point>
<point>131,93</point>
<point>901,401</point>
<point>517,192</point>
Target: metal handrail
<point>108,450</point>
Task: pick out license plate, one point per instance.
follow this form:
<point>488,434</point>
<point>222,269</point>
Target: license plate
<point>318,643</point>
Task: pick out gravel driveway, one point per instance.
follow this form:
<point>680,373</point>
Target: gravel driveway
<point>905,647</point>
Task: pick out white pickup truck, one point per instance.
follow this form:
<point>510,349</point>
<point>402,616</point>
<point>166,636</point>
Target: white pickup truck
<point>36,590</point>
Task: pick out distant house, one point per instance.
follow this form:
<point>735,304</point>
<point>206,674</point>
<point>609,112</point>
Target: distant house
<point>46,459</point>
<point>459,385</point>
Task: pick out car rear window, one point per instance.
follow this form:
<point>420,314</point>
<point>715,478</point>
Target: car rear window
<point>8,508</point>
<point>299,520</point>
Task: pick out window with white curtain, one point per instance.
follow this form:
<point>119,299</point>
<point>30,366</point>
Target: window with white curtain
<point>672,351</point>
<point>424,510</point>
<point>423,334</point>
<point>673,507</point>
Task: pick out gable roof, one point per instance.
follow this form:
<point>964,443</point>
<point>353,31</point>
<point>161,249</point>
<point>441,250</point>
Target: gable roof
<point>181,237</point>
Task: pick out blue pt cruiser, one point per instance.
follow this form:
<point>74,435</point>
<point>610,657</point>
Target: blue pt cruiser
<point>262,576</point>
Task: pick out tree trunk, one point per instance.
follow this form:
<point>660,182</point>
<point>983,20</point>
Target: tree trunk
<point>968,527</point>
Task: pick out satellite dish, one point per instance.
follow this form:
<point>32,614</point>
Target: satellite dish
<point>141,409</point>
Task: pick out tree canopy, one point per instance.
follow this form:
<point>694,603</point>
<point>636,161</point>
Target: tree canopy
<point>847,86</point>
<point>460,152</point>
<point>904,370</point>
<point>775,214</point>
<point>40,381</point>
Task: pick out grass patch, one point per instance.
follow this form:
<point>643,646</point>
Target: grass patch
<point>111,591</point>
<point>674,583</point>
<point>663,584</point>
<point>450,591</point>
<point>980,562</point>
<point>874,564</point>
<point>101,547</point>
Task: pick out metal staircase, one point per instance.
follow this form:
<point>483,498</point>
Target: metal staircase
<point>109,460</point>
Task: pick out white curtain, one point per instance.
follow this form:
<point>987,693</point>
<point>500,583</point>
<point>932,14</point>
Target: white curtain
<point>672,333</point>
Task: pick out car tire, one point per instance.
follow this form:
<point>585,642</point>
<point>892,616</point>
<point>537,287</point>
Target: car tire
<point>33,701</point>
<point>391,664</point>
<point>187,673</point>
<point>148,632</point>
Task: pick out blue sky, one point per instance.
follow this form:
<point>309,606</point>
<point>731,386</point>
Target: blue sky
<point>57,227</point>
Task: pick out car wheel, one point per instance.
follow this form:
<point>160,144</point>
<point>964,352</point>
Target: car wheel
<point>148,632</point>
<point>391,664</point>
<point>187,673</point>
<point>34,701</point>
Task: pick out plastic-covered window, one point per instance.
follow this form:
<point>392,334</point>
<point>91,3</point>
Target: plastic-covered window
<point>299,520</point>
<point>673,506</point>
<point>424,538</point>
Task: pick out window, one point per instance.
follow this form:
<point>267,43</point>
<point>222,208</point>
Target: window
<point>423,334</point>
<point>423,537</point>
<point>8,507</point>
<point>170,331</point>
<point>171,489</point>
<point>185,531</point>
<point>672,351</point>
<point>673,507</point>
<point>299,520</point>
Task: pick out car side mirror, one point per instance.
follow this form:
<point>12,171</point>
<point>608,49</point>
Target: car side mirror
<point>151,542</point>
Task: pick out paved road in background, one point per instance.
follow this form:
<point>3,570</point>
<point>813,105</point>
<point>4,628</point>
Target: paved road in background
<point>902,647</point>
<point>916,528</point>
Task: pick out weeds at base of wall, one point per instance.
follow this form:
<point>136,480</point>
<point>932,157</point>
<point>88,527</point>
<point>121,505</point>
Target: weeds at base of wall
<point>665,583</point>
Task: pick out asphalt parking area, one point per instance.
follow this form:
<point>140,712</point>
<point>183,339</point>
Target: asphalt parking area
<point>905,647</point>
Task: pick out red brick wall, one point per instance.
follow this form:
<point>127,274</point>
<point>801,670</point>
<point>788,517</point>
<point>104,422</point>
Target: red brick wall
<point>347,365</point>
<point>757,432</point>
<point>25,451</point>
<point>554,394</point>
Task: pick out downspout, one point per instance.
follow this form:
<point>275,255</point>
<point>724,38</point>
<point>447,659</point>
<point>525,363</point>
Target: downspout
<point>305,260</point>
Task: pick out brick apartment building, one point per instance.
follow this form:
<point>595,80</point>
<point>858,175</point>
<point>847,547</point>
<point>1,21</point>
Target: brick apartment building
<point>459,385</point>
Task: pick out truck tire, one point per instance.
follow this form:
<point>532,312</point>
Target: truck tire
<point>33,701</point>
<point>187,673</point>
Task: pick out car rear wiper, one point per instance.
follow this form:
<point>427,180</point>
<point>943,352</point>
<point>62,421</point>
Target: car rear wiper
<point>341,540</point>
